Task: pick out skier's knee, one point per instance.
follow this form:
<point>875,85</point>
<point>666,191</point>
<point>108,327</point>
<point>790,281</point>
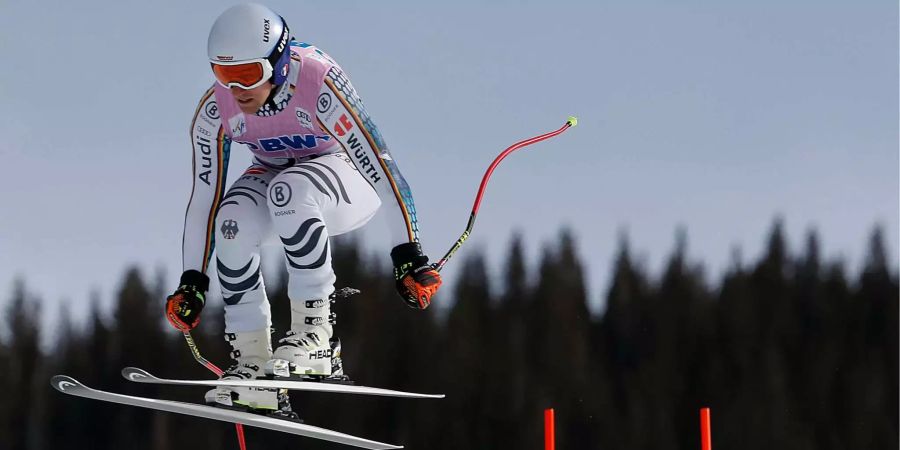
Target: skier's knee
<point>235,223</point>
<point>291,190</point>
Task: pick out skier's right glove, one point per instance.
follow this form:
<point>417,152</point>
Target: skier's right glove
<point>184,306</point>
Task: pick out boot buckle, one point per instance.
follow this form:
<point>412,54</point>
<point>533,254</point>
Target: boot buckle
<point>278,368</point>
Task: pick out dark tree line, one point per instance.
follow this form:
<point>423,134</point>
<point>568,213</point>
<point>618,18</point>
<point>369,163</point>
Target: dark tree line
<point>790,352</point>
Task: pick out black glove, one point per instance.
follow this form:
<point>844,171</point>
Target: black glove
<point>184,306</point>
<point>415,279</point>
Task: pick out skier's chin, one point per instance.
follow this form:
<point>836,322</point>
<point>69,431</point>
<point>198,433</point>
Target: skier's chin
<point>250,107</point>
<point>250,100</point>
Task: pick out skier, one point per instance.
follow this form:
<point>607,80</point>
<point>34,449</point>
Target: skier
<point>320,168</point>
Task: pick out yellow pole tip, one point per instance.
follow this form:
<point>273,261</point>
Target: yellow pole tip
<point>573,121</point>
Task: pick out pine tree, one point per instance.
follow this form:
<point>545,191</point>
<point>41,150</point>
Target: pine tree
<point>62,418</point>
<point>6,412</point>
<point>508,346</point>
<point>870,389</point>
<point>463,359</point>
<point>680,327</point>
<point>137,340</point>
<point>24,370</point>
<point>560,331</point>
<point>623,347</point>
<point>814,353</point>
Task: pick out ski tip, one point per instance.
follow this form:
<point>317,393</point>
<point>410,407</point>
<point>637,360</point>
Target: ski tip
<point>431,396</point>
<point>572,121</point>
<point>63,382</point>
<point>137,375</point>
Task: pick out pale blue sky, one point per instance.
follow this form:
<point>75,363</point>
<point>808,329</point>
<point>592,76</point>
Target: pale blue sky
<point>715,115</point>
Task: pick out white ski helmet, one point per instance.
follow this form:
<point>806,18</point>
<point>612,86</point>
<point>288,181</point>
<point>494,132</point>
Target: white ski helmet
<point>248,45</point>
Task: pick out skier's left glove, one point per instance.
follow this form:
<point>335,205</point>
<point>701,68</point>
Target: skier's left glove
<point>184,306</point>
<point>416,280</point>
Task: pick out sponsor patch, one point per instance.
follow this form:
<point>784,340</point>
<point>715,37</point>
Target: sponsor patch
<point>211,109</point>
<point>320,354</point>
<point>292,142</point>
<point>343,125</point>
<point>280,194</point>
<point>238,125</point>
<point>204,169</point>
<point>363,163</point>
<point>304,118</point>
<point>229,229</point>
<point>254,179</point>
<point>324,103</point>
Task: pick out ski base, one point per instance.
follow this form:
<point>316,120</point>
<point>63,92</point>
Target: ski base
<point>71,386</point>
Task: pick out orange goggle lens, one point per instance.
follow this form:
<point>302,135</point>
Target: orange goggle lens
<point>247,75</point>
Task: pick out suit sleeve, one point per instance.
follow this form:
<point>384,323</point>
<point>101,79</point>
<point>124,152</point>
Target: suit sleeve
<point>210,164</point>
<point>341,113</point>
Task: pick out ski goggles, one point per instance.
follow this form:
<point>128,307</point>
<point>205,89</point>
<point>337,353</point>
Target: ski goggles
<point>243,74</point>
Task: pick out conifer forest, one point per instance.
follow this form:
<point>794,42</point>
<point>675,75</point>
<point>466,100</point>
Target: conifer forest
<point>790,351</point>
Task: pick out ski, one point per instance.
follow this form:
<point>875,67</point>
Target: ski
<point>142,376</point>
<point>70,386</point>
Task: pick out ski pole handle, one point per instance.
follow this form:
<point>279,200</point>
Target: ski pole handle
<point>571,122</point>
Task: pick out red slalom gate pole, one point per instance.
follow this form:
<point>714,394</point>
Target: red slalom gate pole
<point>549,430</point>
<point>705,433</point>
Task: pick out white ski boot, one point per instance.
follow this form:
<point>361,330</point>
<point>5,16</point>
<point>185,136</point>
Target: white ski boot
<point>306,349</point>
<point>304,354</point>
<point>250,352</point>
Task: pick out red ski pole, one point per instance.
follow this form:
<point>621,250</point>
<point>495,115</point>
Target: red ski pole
<point>239,428</point>
<point>571,122</point>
